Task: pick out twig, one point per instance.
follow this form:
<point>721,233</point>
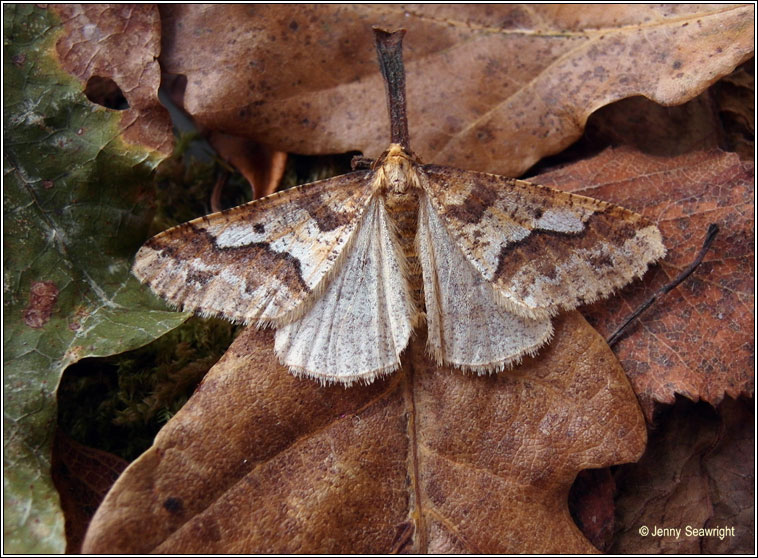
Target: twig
<point>389,47</point>
<point>713,229</point>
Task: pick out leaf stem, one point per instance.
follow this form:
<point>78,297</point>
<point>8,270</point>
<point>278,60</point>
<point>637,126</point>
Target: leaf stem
<point>389,48</point>
<point>713,230</point>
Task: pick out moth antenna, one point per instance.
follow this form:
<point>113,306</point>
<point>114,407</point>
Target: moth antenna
<point>389,48</point>
<point>358,162</point>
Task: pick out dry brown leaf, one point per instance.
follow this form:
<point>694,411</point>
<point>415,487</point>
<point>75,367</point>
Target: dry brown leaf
<point>592,506</point>
<point>120,42</point>
<point>645,126</point>
<point>735,98</point>
<point>698,340</point>
<point>697,472</point>
<point>82,476</point>
<point>261,166</point>
<point>720,117</point>
<point>654,129</point>
<point>491,88</point>
<point>261,461</point>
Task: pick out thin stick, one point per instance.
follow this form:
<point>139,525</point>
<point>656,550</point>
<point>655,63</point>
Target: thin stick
<point>389,47</point>
<point>218,188</point>
<point>713,229</point>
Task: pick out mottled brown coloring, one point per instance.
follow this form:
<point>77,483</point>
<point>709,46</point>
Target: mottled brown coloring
<point>547,248</point>
<point>281,265</point>
<point>476,203</point>
<point>326,218</point>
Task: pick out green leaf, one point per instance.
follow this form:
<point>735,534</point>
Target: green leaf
<point>77,204</point>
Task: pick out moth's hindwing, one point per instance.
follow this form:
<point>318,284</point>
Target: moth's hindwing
<point>466,327</point>
<point>542,250</point>
<point>262,262</point>
<point>361,323</point>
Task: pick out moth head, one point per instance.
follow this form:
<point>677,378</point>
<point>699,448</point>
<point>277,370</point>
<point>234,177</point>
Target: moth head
<point>396,171</point>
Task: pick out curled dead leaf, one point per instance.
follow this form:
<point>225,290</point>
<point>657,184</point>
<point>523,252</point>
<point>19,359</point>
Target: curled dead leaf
<point>519,81</point>
<point>261,166</point>
<point>426,460</point>
<point>697,473</point>
<point>114,47</point>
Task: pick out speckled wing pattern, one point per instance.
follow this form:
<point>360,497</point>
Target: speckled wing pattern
<point>335,265</point>
<point>264,262</point>
<point>466,327</point>
<point>541,250</point>
<point>361,323</point>
<point>327,265</point>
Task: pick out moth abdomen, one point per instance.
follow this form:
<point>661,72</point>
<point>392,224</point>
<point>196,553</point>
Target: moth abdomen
<point>403,213</point>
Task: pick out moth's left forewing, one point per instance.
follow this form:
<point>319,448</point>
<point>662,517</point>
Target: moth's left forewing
<point>541,249</point>
<point>264,262</point>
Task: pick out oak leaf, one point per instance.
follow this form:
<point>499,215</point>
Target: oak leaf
<point>427,459</point>
<point>519,81</point>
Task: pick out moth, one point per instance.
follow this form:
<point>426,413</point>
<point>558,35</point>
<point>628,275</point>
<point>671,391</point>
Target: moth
<point>346,268</point>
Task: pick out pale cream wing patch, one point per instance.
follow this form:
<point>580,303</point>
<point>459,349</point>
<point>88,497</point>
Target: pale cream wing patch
<point>262,262</point>
<point>467,328</point>
<point>541,249</point>
<point>362,322</point>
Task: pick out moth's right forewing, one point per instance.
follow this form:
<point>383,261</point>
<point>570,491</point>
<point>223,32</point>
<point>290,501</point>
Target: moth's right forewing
<point>541,249</point>
<point>262,262</point>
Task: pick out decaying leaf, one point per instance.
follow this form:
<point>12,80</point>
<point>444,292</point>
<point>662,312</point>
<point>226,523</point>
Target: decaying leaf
<point>735,98</point>
<point>696,473</point>
<point>699,342</point>
<point>665,131</point>
<point>119,44</point>
<point>652,128</point>
<point>519,81</point>
<point>427,459</point>
<point>82,477</point>
<point>261,166</point>
<point>75,203</point>
<point>42,298</point>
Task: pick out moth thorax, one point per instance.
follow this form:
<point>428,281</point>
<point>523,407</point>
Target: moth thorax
<point>397,174</point>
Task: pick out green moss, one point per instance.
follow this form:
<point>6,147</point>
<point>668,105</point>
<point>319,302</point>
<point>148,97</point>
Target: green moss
<point>119,403</point>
